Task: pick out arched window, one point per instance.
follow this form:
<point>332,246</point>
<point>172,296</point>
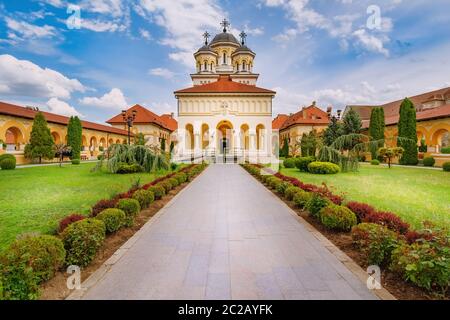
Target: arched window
<point>243,66</point>
<point>205,67</point>
<point>211,66</point>
<point>224,58</point>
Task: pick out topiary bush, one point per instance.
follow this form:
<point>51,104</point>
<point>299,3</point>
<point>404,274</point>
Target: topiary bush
<point>291,192</point>
<point>281,188</point>
<point>289,163</point>
<point>337,218</point>
<point>166,185</point>
<point>446,166</point>
<point>17,281</point>
<point>302,163</point>
<point>388,219</point>
<point>144,197</point>
<point>424,263</point>
<point>125,168</point>
<point>375,162</point>
<point>323,168</point>
<point>131,208</point>
<point>43,255</point>
<point>274,182</point>
<point>158,191</point>
<point>376,242</point>
<point>181,177</point>
<point>102,205</point>
<point>429,161</point>
<point>66,221</point>
<point>76,161</point>
<point>360,209</point>
<point>174,182</point>
<point>445,150</point>
<point>7,162</point>
<point>316,204</point>
<point>301,198</point>
<point>82,239</point>
<point>113,219</point>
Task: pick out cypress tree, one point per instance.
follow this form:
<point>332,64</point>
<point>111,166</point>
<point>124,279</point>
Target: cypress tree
<point>41,141</point>
<point>284,152</point>
<point>376,129</point>
<point>74,137</point>
<point>407,128</point>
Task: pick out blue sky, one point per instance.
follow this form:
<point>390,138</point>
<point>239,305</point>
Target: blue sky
<point>335,52</point>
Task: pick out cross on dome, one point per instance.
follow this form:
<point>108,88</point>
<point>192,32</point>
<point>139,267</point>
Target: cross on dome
<point>206,35</point>
<point>225,24</point>
<point>243,35</point>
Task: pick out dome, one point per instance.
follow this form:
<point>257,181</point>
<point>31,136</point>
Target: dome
<point>244,49</point>
<point>206,47</point>
<point>225,37</point>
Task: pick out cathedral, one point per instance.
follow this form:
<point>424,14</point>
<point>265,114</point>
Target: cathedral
<point>224,115</point>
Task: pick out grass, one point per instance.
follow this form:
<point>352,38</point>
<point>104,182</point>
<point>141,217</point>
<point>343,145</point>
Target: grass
<point>35,199</point>
<point>414,194</point>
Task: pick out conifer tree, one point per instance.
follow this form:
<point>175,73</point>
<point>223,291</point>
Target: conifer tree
<point>376,129</point>
<point>284,152</point>
<point>41,141</point>
<point>74,137</point>
<point>352,122</point>
<point>407,129</point>
<point>333,132</point>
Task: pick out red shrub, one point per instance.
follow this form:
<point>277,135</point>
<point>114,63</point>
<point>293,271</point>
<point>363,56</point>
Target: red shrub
<point>360,209</point>
<point>102,205</point>
<point>65,222</point>
<point>413,236</point>
<point>388,219</point>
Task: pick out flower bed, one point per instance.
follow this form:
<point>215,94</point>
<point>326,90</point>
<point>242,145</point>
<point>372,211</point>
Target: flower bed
<point>417,261</point>
<point>80,239</point>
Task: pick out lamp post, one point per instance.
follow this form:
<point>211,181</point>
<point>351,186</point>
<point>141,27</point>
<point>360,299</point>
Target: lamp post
<point>129,119</point>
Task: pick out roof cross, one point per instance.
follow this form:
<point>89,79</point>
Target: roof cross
<point>225,24</point>
<point>206,35</point>
<point>243,35</point>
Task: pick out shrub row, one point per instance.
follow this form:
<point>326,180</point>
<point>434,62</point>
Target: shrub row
<point>31,260</point>
<point>309,164</point>
<point>420,257</point>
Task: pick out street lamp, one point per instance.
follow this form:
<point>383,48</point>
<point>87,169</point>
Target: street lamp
<point>129,119</point>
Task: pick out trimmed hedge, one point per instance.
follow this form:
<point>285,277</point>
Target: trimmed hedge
<point>76,161</point>
<point>360,209</point>
<point>131,208</point>
<point>289,163</point>
<point>102,205</point>
<point>388,219</point>
<point>445,150</point>
<point>7,162</point>
<point>338,218</point>
<point>316,204</point>
<point>375,162</point>
<point>281,188</point>
<point>158,191</point>
<point>446,166</point>
<point>302,163</point>
<point>125,168</point>
<point>144,197</point>
<point>291,192</point>
<point>301,198</point>
<point>323,168</point>
<point>65,222</point>
<point>166,185</point>
<point>376,242</point>
<point>113,219</point>
<point>181,177</point>
<point>429,162</point>
<point>174,182</point>
<point>82,239</point>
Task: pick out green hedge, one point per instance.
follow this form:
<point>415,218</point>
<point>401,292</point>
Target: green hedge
<point>82,239</point>
<point>446,166</point>
<point>291,192</point>
<point>375,162</point>
<point>124,168</point>
<point>302,163</point>
<point>158,191</point>
<point>301,198</point>
<point>113,219</point>
<point>145,198</point>
<point>316,204</point>
<point>429,162</point>
<point>323,168</point>
<point>289,163</point>
<point>131,208</point>
<point>338,218</point>
<point>445,150</point>
<point>76,161</point>
<point>7,162</point>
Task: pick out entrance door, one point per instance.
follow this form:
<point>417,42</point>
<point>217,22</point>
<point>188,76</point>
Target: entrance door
<point>225,146</point>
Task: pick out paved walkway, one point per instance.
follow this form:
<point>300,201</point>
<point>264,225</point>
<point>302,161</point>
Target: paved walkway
<point>227,237</point>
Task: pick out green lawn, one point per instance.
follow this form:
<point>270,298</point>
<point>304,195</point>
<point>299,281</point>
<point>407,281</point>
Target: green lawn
<point>414,194</point>
<point>34,199</point>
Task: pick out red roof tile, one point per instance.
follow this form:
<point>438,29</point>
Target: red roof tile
<point>23,112</point>
<point>279,120</point>
<point>311,115</point>
<point>143,116</point>
<point>225,85</point>
<point>170,122</point>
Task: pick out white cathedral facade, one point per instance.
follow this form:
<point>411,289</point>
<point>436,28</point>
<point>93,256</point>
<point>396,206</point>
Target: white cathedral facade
<point>224,115</point>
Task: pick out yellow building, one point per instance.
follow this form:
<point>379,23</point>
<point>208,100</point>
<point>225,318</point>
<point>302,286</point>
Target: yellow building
<point>293,127</point>
<point>16,123</point>
<point>433,121</point>
<point>157,130</point>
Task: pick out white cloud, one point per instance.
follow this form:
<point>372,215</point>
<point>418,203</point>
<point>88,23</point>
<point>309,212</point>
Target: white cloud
<point>24,78</point>
<point>145,34</point>
<point>27,30</point>
<point>371,42</point>
<point>162,72</point>
<point>101,26</point>
<point>63,108</point>
<point>55,3</point>
<point>114,8</point>
<point>112,100</point>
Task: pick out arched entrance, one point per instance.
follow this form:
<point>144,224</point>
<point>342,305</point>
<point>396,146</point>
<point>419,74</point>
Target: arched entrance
<point>205,136</point>
<point>441,139</point>
<point>14,139</point>
<point>260,136</point>
<point>224,137</point>
<point>189,136</point>
<point>56,137</point>
<point>245,137</point>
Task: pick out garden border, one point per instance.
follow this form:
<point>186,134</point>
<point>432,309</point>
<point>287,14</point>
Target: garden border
<point>97,275</point>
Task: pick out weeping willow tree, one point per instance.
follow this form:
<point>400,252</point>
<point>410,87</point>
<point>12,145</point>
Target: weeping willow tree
<point>149,158</point>
<point>346,149</point>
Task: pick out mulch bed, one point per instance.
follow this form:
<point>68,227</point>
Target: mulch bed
<point>399,288</point>
<point>56,288</point>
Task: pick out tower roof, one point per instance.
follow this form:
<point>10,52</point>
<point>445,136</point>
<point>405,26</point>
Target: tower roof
<point>225,37</point>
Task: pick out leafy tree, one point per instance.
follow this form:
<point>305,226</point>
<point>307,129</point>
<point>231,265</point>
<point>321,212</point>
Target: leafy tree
<point>376,129</point>
<point>139,139</point>
<point>74,137</point>
<point>309,143</point>
<point>284,151</point>
<point>390,153</point>
<point>351,122</point>
<point>333,132</point>
<point>407,129</point>
<point>61,149</point>
<point>41,140</point>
